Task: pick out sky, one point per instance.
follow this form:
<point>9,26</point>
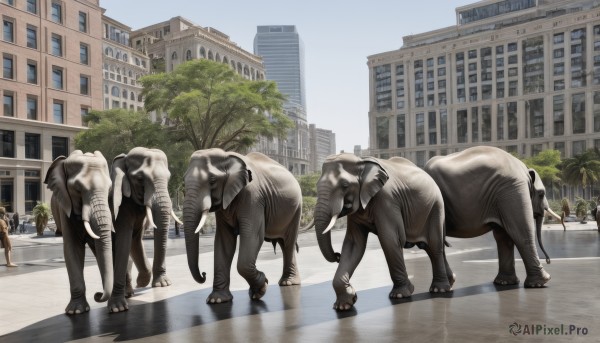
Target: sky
<point>338,37</point>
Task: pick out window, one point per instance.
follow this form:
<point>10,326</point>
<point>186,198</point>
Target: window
<point>499,49</point>
<point>486,123</point>
<point>512,47</point>
<point>558,104</point>
<point>57,77</point>
<point>84,112</point>
<point>7,67</point>
<point>472,54</point>
<point>56,13</point>
<point>461,126</point>
<point>32,193</point>
<point>559,38</point>
<point>578,112</point>
<point>84,85</point>
<point>559,68</point>
<point>7,139</point>
<point>383,87</point>
<point>82,22</point>
<point>420,126</point>
<point>512,88</point>
<point>114,91</point>
<point>441,60</point>
<point>441,71</point>
<point>460,56</point>
<point>401,130</point>
<point>58,110</point>
<point>443,126</point>
<point>430,62</point>
<point>32,72</point>
<point>188,55</point>
<point>500,122</point>
<point>83,53</point>
<point>535,109</point>
<point>9,104</point>
<point>513,128</point>
<point>559,85</point>
<point>500,89</point>
<point>31,37</point>
<point>10,2</point>
<point>32,6</point>
<point>578,147</point>
<point>60,147</point>
<point>474,124</point>
<point>32,108</point>
<point>8,29</point>
<point>32,146</point>
<point>56,45</point>
<point>383,132</point>
<point>596,113</point>
<point>432,128</point>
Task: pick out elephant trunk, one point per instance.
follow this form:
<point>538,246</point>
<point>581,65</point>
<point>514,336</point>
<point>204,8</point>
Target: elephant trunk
<point>322,222</point>
<point>161,211</point>
<point>538,231</point>
<point>191,218</point>
<point>101,223</point>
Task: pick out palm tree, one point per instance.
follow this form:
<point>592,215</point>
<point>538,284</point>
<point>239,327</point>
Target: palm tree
<point>41,213</point>
<point>581,170</point>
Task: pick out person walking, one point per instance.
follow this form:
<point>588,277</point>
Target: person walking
<point>4,239</point>
<point>16,220</point>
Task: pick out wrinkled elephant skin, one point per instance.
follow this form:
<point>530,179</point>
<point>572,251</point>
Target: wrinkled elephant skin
<point>487,189</point>
<point>253,197</point>
<point>80,185</point>
<point>393,199</point>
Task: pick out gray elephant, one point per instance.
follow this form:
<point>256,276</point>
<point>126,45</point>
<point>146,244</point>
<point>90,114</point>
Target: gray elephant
<point>487,189</point>
<point>140,199</point>
<point>253,197</point>
<point>80,185</point>
<point>393,199</point>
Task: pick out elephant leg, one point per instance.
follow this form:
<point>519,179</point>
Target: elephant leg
<point>74,252</point>
<point>122,247</point>
<point>128,287</point>
<point>290,275</point>
<point>225,244</point>
<point>440,282</point>
<point>252,235</point>
<point>138,255</point>
<point>353,250</point>
<point>393,251</point>
<point>506,258</point>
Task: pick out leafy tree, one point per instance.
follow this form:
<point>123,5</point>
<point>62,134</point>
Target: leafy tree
<point>308,184</point>
<point>546,164</point>
<point>581,170</point>
<point>211,106</point>
<point>117,131</point>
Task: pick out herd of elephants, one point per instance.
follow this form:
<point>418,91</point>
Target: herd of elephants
<point>465,194</point>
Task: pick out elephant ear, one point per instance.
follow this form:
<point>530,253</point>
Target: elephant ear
<point>121,185</point>
<point>56,179</point>
<point>238,177</point>
<point>372,178</point>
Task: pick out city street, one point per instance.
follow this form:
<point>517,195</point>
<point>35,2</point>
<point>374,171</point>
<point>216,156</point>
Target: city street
<point>35,294</point>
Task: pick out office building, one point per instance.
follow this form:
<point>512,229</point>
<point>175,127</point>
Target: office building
<point>282,52</point>
<point>522,75</point>
<point>123,66</point>
<point>322,144</point>
<point>52,72</point>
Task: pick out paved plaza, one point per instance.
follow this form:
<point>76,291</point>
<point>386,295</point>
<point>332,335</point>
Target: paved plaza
<point>35,294</point>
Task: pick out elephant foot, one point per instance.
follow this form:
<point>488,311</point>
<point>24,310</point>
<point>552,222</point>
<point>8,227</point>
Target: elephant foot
<point>404,291</point>
<point>451,278</point>
<point>346,300</point>
<point>289,281</point>
<point>161,281</point>
<point>440,287</point>
<point>257,294</point>
<point>143,279</point>
<point>77,306</point>
<point>537,281</point>
<point>506,279</point>
<point>117,304</point>
<point>218,297</point>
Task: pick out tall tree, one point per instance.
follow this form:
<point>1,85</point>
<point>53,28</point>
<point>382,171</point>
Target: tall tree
<point>211,106</point>
<point>581,170</point>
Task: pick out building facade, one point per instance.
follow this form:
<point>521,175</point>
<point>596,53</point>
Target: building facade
<point>522,75</point>
<point>52,67</point>
<point>282,52</point>
<point>322,144</point>
<point>122,68</point>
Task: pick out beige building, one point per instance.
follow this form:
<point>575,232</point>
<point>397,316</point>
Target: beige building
<point>322,144</point>
<point>52,67</point>
<point>523,75</point>
<point>122,67</point>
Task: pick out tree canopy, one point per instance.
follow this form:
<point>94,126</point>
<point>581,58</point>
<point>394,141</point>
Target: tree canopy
<point>210,106</point>
<point>546,164</point>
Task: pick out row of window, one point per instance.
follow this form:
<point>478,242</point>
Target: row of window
<point>108,51</point>
<point>478,121</point>
<point>57,77</point>
<point>202,53</point>
<point>9,108</point>
<point>60,145</point>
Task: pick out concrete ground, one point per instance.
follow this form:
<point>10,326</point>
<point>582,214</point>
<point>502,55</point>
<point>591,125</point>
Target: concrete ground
<point>34,295</point>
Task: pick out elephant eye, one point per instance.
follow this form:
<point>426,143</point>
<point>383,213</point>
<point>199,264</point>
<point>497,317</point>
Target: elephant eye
<point>345,184</point>
<point>212,180</point>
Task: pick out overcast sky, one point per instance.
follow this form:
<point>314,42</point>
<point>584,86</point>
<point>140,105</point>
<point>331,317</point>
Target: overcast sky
<point>338,36</point>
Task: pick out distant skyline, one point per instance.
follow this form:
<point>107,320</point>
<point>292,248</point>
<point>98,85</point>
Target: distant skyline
<point>338,36</point>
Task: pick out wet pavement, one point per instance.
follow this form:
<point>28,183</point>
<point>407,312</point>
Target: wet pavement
<point>35,293</point>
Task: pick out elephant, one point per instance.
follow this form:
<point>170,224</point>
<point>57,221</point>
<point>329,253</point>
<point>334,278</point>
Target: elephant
<point>253,197</point>
<point>80,186</point>
<point>140,199</point>
<point>487,189</point>
<point>393,199</point>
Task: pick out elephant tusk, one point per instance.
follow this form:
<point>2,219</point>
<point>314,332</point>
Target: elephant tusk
<point>331,224</point>
<point>175,217</point>
<point>202,221</point>
<point>556,216</point>
<point>308,226</point>
<point>149,217</point>
<point>88,228</point>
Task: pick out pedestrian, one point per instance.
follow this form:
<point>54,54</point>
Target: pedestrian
<point>4,239</point>
<point>11,223</point>
<point>16,220</point>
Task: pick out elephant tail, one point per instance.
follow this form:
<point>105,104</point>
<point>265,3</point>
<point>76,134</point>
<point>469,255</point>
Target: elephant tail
<point>446,243</point>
